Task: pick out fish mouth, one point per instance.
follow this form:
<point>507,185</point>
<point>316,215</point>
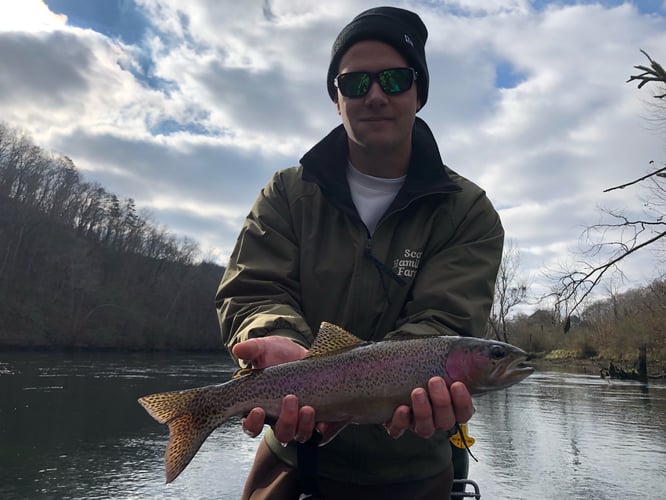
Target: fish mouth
<point>513,372</point>
<point>518,368</point>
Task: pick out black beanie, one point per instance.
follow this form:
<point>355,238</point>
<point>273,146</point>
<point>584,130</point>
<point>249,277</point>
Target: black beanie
<point>400,28</point>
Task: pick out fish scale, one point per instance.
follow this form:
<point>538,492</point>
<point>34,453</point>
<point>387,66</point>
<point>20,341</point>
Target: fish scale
<point>345,379</point>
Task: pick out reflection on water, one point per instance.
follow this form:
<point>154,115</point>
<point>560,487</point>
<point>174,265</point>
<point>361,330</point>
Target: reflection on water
<point>70,427</point>
<point>571,436</point>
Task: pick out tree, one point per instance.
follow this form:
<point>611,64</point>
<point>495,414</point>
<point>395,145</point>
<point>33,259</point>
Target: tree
<point>80,266</point>
<point>510,291</point>
<point>609,243</point>
<point>655,73</point>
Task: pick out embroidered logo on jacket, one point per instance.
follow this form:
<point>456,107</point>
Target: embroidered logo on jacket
<point>408,263</point>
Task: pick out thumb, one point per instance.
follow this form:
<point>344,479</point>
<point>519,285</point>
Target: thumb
<point>250,350</point>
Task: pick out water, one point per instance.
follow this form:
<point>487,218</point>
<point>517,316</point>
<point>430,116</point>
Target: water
<point>70,427</point>
<point>559,435</point>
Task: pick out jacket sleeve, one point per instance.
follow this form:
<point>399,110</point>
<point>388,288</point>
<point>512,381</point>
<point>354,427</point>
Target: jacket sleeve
<point>453,291</point>
<point>259,294</point>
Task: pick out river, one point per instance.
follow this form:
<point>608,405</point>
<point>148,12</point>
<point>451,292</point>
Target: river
<point>70,427</point>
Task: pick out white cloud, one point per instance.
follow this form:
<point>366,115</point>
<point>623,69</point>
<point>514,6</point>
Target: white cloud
<point>192,120</point>
<point>28,16</point>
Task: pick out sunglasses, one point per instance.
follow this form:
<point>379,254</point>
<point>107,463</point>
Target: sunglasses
<point>391,81</point>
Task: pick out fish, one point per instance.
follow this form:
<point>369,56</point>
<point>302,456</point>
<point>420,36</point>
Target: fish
<point>345,379</point>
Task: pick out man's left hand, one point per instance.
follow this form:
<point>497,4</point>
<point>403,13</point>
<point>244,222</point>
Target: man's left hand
<point>438,408</point>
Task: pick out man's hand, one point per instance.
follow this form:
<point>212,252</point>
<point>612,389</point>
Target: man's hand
<point>293,422</point>
<point>268,351</point>
<point>438,408</point>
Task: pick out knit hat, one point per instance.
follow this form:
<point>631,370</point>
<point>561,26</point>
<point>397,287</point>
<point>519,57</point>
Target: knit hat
<point>400,28</point>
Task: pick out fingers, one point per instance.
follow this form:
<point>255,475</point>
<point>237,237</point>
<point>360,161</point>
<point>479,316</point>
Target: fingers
<point>443,410</point>
<point>437,408</point>
<point>424,425</point>
<point>462,402</point>
<point>294,422</point>
<point>306,424</point>
<point>449,405</point>
<point>253,424</point>
<point>400,422</point>
<point>285,427</point>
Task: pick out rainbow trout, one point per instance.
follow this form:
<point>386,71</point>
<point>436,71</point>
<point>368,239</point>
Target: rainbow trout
<point>345,379</point>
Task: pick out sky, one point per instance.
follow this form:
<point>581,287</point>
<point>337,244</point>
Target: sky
<point>189,106</point>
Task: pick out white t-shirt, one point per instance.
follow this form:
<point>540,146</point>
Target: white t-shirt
<point>372,195</point>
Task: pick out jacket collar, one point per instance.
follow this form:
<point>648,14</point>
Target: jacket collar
<point>326,165</point>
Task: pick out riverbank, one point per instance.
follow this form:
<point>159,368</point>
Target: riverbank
<point>585,366</point>
<point>561,361</point>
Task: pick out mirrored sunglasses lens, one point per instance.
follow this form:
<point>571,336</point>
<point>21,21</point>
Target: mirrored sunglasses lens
<point>354,84</point>
<point>394,81</point>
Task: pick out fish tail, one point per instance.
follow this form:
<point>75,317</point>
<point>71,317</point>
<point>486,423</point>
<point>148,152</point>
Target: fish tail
<point>190,417</point>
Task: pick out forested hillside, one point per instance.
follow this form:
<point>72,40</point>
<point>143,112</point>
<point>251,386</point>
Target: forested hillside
<point>80,267</point>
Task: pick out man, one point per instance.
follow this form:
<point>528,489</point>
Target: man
<point>373,233</point>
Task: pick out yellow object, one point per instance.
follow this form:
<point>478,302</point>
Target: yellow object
<point>457,439</point>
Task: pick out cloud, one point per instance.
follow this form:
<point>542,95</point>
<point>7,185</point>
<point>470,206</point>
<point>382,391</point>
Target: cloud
<point>42,69</point>
<point>189,107</point>
<point>29,16</point>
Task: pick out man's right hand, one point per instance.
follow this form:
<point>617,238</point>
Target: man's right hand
<point>293,422</point>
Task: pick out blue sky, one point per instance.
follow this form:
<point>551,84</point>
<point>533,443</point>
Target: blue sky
<point>643,6</point>
<point>120,19</point>
<point>188,107</point>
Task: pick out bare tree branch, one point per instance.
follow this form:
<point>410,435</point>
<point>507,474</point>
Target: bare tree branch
<point>659,173</point>
<point>653,74</point>
<point>575,281</point>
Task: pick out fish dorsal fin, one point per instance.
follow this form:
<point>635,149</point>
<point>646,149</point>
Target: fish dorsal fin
<point>332,339</point>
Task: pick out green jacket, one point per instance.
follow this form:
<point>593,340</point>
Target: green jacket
<point>304,256</point>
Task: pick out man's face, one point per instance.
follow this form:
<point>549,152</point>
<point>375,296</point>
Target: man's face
<point>377,121</point>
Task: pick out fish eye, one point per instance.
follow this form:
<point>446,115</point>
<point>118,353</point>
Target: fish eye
<point>497,352</point>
